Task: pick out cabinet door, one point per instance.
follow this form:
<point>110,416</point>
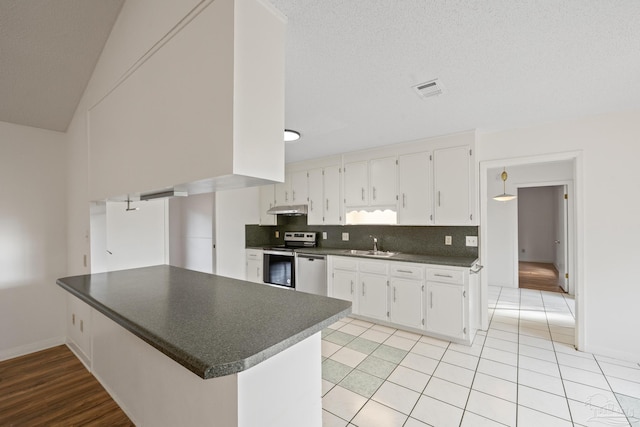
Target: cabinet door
<point>316,197</point>
<point>445,309</point>
<point>451,176</point>
<point>372,296</point>
<point>344,284</point>
<point>299,188</point>
<point>283,192</point>
<point>356,184</point>
<point>267,201</point>
<point>254,266</point>
<point>332,206</point>
<point>406,302</point>
<point>414,180</point>
<point>383,181</point>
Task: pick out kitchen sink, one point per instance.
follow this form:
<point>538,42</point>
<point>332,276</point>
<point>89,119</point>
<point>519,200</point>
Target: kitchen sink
<point>378,254</point>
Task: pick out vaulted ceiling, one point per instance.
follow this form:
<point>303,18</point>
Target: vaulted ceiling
<point>351,65</point>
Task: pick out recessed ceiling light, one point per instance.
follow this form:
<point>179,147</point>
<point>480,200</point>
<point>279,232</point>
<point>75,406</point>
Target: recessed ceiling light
<point>291,135</point>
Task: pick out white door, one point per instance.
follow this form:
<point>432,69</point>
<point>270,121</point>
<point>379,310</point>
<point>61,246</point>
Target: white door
<point>136,238</point>
<point>332,206</point>
<point>316,197</point>
<point>299,188</point>
<point>406,302</point>
<point>562,236</point>
<point>372,296</point>
<point>356,184</point>
<point>383,181</point>
<point>344,284</point>
<point>451,179</point>
<point>445,309</point>
<point>414,180</point>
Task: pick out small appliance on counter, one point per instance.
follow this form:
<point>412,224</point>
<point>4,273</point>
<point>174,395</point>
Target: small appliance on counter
<point>279,261</point>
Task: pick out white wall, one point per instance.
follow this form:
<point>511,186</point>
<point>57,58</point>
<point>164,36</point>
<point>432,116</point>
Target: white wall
<point>32,239</point>
<point>234,209</point>
<point>537,224</point>
<point>608,176</point>
<point>191,238</point>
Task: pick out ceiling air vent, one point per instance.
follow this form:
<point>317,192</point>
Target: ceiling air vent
<point>430,88</point>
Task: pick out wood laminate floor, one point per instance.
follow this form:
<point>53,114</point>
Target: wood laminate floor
<point>539,276</point>
<point>53,388</point>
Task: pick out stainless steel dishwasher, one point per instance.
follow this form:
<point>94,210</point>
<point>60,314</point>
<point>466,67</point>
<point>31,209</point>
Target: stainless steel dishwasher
<point>311,273</point>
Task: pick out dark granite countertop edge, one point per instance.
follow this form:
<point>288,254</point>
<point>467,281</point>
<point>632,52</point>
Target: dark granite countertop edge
<point>453,261</point>
<point>200,368</point>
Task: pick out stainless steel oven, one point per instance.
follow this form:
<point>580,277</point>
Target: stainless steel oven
<point>280,262</point>
<point>279,267</point>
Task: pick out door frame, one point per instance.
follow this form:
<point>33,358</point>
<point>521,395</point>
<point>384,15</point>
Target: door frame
<point>569,225</point>
<point>578,240</point>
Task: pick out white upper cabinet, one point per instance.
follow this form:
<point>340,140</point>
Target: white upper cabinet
<point>415,188</point>
<point>382,177</point>
<point>452,186</point>
<point>299,188</point>
<point>324,196</point>
<point>356,184</point>
<point>267,201</point>
<point>283,192</point>
<point>206,105</point>
<point>332,206</point>
<point>316,197</point>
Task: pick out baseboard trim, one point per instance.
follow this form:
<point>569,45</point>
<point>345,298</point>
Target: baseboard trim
<point>31,348</point>
<point>613,354</point>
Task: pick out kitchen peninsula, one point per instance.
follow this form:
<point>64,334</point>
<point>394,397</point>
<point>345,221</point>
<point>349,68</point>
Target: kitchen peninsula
<point>254,350</point>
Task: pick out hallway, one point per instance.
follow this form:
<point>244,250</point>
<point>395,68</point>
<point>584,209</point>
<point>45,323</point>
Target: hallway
<point>538,276</point>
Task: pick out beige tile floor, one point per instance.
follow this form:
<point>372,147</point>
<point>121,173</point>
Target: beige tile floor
<point>523,371</point>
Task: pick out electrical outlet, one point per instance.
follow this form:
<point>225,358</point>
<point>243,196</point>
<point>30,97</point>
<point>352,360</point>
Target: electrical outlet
<point>277,234</point>
<point>324,235</point>
<point>447,240</point>
<point>345,236</point>
<point>472,241</point>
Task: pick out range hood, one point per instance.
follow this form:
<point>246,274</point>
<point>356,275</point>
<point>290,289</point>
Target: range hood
<point>291,210</point>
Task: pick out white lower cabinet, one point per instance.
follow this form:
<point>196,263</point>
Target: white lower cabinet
<point>254,265</point>
<point>79,328</point>
<point>372,295</point>
<point>432,300</point>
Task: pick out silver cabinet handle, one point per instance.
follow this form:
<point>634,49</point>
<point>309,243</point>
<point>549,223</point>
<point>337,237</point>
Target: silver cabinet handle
<point>394,294</point>
<point>443,275</point>
<point>293,195</point>
<point>310,204</point>
<point>363,194</point>
<point>286,196</point>
<point>374,193</point>
<point>73,319</point>
<point>362,288</point>
<point>404,200</point>
<point>257,271</point>
<point>327,204</point>
<point>431,299</point>
<point>352,287</point>
<point>438,198</point>
<point>81,325</point>
<point>404,271</point>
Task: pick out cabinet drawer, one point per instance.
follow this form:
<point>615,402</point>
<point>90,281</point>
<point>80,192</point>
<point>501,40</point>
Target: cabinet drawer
<point>254,254</point>
<point>373,267</point>
<point>345,264</point>
<point>407,270</point>
<point>448,276</point>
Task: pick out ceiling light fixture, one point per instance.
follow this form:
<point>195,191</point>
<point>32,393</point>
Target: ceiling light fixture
<point>291,135</point>
<point>504,197</point>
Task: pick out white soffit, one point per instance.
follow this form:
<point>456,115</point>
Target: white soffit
<point>48,50</point>
<point>352,65</point>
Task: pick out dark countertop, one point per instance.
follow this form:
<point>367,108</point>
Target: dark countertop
<point>212,325</point>
<point>453,261</point>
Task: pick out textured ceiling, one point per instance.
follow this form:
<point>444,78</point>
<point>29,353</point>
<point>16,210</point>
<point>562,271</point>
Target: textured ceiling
<point>510,63</point>
<point>48,50</point>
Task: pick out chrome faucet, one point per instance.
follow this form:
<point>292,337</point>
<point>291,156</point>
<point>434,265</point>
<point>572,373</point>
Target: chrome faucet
<point>375,243</point>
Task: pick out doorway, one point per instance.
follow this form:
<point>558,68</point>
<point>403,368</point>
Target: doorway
<point>543,235</point>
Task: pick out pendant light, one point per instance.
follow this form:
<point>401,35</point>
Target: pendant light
<point>291,135</point>
<point>504,197</point>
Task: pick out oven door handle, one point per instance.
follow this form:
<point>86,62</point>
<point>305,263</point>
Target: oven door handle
<point>282,253</point>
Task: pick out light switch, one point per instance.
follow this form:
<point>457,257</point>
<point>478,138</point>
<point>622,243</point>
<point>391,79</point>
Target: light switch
<point>277,234</point>
<point>345,236</point>
<point>447,240</point>
<point>324,235</point>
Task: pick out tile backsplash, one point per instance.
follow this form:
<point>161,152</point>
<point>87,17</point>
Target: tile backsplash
<point>428,240</point>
